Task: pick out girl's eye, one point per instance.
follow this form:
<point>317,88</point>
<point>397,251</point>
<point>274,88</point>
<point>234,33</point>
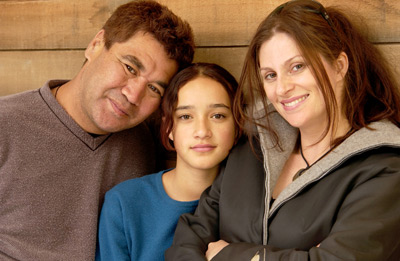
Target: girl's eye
<point>218,116</point>
<point>130,69</point>
<point>184,117</point>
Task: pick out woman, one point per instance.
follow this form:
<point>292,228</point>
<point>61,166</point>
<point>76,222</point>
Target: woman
<point>323,183</point>
<point>139,216</point>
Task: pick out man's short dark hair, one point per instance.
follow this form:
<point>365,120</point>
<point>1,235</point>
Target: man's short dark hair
<point>151,17</point>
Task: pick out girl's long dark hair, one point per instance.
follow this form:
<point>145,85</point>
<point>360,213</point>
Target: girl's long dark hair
<point>170,99</point>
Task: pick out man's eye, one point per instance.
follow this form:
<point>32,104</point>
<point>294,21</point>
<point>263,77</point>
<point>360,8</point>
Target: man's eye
<point>131,70</point>
<point>154,89</point>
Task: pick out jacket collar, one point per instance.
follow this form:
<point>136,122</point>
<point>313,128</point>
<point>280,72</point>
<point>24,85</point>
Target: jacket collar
<point>378,134</point>
<point>381,133</point>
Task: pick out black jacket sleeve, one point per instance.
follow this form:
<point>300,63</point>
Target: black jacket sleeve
<point>365,227</point>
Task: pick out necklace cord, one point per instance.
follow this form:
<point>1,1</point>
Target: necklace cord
<point>301,153</point>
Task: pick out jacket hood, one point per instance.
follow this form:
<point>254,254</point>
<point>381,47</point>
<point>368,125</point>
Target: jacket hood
<point>379,134</point>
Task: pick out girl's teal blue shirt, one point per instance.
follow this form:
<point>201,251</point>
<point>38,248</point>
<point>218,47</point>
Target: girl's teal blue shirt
<point>138,220</point>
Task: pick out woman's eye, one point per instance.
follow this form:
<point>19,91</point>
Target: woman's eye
<point>297,67</point>
<point>270,76</point>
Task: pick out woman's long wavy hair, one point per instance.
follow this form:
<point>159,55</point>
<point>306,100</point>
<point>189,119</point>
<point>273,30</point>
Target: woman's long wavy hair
<point>371,91</point>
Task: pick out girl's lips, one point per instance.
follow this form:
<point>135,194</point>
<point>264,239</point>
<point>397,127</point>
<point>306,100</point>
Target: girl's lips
<point>203,147</point>
<point>292,103</point>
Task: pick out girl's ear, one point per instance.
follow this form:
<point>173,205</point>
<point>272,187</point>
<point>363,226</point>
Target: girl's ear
<point>170,136</point>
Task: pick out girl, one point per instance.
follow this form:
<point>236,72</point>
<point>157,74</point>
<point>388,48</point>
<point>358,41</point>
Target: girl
<point>139,216</point>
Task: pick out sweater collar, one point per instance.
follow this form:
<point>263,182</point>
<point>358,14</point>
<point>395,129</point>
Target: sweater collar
<point>93,142</point>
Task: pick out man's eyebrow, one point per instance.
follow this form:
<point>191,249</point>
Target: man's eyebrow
<point>134,60</point>
<point>162,84</point>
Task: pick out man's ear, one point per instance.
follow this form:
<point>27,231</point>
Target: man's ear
<point>95,46</point>
<point>342,65</point>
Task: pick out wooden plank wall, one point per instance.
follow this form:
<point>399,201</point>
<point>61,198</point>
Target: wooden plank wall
<point>41,40</point>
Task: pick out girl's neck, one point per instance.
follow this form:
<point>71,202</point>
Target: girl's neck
<point>182,184</point>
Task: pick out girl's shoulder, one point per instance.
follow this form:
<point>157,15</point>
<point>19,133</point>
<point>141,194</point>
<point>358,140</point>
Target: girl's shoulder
<point>137,186</point>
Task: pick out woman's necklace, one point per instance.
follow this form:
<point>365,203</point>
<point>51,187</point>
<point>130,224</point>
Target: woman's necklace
<point>301,153</point>
<point>298,174</point>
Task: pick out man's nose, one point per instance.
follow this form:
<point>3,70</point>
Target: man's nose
<point>135,90</point>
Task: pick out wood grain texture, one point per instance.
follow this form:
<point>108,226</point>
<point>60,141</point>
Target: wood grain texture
<point>70,24</point>
<point>45,39</point>
<point>61,24</point>
<point>25,70</point>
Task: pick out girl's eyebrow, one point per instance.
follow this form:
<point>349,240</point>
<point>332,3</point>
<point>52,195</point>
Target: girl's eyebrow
<point>219,105</point>
<point>188,107</point>
<point>184,107</point>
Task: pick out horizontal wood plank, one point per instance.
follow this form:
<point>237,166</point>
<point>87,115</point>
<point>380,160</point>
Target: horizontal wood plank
<point>25,70</point>
<point>233,22</point>
<point>71,24</point>
<point>64,24</point>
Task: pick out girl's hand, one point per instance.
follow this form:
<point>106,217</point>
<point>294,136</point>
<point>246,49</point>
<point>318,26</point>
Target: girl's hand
<point>214,248</point>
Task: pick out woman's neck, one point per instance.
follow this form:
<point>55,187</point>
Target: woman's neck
<point>313,147</point>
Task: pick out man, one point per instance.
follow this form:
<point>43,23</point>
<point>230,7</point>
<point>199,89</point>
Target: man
<point>64,145</point>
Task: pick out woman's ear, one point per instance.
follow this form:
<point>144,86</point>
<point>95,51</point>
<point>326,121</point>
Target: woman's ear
<point>95,46</point>
<point>170,136</point>
<point>342,65</point>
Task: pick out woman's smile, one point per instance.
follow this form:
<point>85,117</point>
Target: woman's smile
<point>293,103</point>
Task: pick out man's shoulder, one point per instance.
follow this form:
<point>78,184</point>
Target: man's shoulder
<point>18,105</point>
<point>17,98</point>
